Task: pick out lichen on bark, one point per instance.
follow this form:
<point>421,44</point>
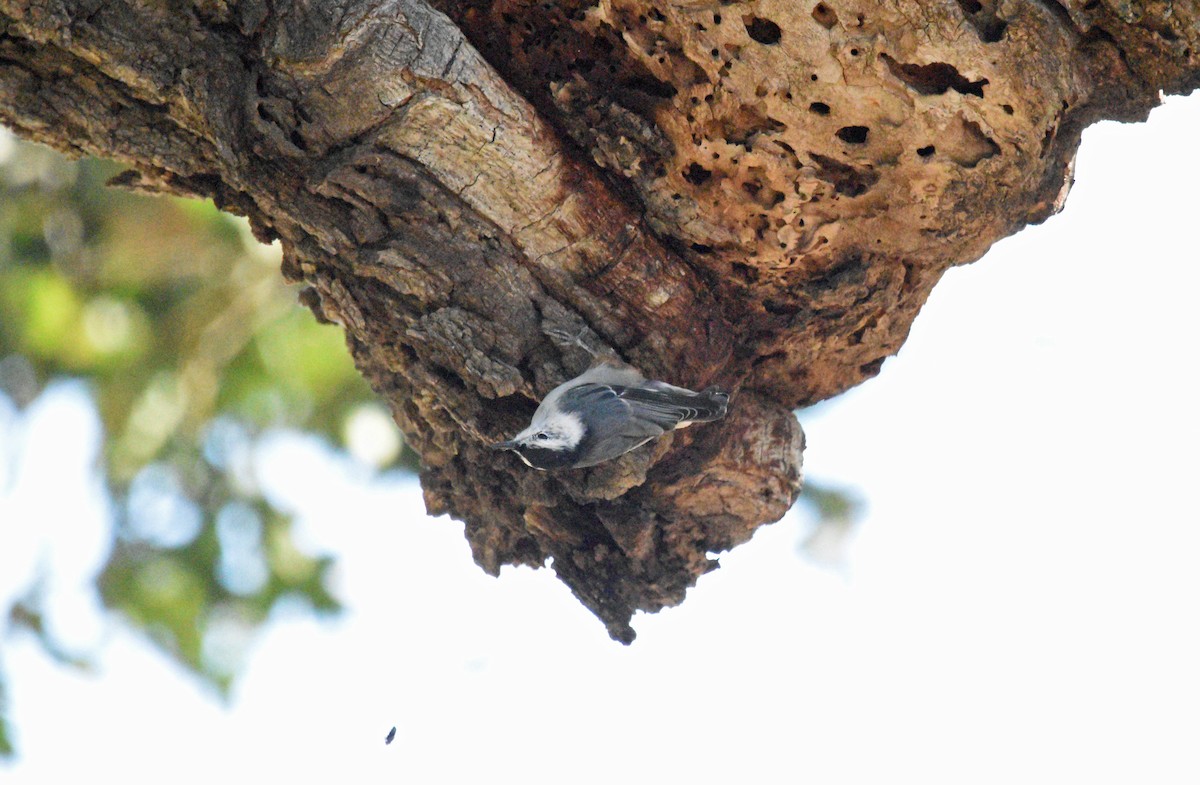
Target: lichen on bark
<point>759,195</point>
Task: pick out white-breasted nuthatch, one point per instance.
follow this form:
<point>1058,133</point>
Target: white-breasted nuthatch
<point>605,412</point>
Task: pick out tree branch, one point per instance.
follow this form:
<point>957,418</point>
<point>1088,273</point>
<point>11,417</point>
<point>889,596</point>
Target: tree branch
<point>722,195</point>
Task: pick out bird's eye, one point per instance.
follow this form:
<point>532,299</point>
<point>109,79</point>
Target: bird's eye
<point>543,436</point>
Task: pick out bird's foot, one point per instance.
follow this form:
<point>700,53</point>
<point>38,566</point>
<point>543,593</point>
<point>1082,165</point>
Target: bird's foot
<point>565,339</point>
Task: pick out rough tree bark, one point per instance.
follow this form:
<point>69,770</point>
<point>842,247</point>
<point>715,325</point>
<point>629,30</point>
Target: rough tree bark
<point>759,195</point>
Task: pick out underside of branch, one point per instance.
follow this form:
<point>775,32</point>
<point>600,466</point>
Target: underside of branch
<point>756,195</point>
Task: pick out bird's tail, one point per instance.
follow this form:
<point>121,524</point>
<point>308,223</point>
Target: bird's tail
<point>711,404</point>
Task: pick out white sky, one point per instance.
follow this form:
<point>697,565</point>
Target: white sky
<point>1019,604</point>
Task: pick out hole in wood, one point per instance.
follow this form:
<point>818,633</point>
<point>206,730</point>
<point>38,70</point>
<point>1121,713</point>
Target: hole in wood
<point>853,134</point>
<point>764,31</point>
<point>824,15</point>
<point>696,174</point>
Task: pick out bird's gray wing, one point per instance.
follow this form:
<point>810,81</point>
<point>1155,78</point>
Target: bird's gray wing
<point>641,411</point>
<point>609,410</point>
<point>614,426</point>
<point>671,406</point>
<point>622,418</point>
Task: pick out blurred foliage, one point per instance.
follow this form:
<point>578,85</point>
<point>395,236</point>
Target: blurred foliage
<point>193,347</point>
<point>6,746</point>
<point>834,513</point>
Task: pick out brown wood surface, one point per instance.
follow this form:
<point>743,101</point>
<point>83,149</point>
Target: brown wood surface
<point>758,195</point>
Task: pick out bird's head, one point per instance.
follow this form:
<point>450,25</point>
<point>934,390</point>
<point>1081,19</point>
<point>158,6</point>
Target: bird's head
<point>550,444</point>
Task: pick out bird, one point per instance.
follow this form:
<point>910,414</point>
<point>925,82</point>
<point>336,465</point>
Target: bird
<point>606,411</point>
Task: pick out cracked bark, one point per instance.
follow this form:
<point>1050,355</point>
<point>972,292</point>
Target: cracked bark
<point>758,195</point>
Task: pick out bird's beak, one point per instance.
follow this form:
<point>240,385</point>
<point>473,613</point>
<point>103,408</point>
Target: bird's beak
<point>508,445</point>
